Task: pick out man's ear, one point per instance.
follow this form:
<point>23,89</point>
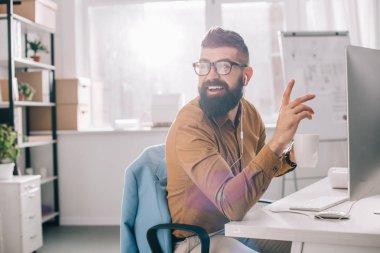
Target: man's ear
<point>248,73</point>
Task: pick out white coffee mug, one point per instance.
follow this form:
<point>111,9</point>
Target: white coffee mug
<point>306,150</point>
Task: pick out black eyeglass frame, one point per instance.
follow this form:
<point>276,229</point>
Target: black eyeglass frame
<point>232,63</point>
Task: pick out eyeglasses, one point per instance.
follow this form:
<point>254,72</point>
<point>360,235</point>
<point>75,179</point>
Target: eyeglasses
<point>222,67</point>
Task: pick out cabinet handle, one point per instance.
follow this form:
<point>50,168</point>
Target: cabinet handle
<point>31,217</point>
<point>32,196</point>
<point>28,187</point>
<point>32,237</point>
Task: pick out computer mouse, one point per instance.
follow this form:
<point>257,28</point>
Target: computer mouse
<point>331,214</point>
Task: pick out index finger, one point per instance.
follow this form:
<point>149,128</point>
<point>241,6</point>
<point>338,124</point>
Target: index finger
<point>287,92</point>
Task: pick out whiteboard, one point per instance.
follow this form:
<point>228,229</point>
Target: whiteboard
<point>317,62</point>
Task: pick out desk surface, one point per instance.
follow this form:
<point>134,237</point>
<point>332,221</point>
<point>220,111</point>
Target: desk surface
<point>362,229</point>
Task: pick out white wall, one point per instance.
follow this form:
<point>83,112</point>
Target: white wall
<point>91,172</point>
<point>92,169</point>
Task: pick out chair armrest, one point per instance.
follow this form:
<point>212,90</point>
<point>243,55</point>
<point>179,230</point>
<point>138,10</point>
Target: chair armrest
<point>154,245</point>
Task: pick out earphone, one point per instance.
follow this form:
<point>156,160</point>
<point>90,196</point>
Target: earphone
<point>245,81</point>
<point>241,123</point>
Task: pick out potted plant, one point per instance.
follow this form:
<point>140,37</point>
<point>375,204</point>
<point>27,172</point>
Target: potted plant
<point>9,152</point>
<point>36,46</point>
<point>26,91</point>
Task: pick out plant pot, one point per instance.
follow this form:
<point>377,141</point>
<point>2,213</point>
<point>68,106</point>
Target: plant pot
<point>35,58</point>
<point>6,171</point>
<point>21,97</point>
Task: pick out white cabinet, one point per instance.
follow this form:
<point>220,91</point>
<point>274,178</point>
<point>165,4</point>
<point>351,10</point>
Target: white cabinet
<point>20,211</point>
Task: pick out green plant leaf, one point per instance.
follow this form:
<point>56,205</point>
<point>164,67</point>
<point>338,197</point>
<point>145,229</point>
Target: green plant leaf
<point>9,150</point>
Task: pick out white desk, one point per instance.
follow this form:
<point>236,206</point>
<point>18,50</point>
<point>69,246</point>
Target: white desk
<point>361,233</point>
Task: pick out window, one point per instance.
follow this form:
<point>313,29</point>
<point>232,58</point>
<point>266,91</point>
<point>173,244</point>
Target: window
<point>258,23</point>
<point>360,18</point>
<point>139,49</point>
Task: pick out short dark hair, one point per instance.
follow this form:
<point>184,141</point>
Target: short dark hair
<point>218,37</point>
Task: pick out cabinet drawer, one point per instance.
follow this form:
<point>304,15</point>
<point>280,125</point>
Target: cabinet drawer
<point>31,201</point>
<point>30,186</point>
<point>32,240</point>
<point>31,221</point>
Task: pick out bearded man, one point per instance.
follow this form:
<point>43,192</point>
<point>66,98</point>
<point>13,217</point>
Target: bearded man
<point>218,162</point>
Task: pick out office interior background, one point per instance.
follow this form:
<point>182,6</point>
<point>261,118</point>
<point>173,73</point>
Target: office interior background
<point>134,52</point>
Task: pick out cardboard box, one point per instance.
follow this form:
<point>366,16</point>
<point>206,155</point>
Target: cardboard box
<point>4,90</point>
<point>73,91</point>
<point>42,12</point>
<point>69,117</point>
<point>39,80</point>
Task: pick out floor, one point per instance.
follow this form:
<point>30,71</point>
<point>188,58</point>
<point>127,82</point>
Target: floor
<point>80,239</point>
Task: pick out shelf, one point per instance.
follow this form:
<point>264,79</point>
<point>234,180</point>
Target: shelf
<point>33,103</point>
<point>26,63</point>
<point>29,25</point>
<point>49,216</point>
<point>21,63</point>
<point>35,144</point>
<point>26,104</point>
<point>48,180</point>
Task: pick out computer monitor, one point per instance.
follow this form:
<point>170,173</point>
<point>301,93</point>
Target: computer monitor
<point>363,115</point>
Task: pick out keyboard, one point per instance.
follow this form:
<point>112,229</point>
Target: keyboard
<point>319,204</point>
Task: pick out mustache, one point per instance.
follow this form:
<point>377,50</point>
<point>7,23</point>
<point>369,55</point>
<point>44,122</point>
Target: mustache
<point>209,83</point>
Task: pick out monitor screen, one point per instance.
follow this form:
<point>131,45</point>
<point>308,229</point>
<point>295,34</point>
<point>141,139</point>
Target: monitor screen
<point>363,111</point>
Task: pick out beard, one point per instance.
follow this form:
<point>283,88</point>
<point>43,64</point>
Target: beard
<point>220,105</point>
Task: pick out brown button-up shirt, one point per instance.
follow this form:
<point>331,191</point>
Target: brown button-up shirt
<point>214,176</point>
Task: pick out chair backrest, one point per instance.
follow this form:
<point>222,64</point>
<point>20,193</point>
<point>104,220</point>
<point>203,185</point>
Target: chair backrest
<point>144,201</point>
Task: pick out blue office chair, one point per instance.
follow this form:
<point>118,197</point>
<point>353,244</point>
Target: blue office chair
<point>145,220</point>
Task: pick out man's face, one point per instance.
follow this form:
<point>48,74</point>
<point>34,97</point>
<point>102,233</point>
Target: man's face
<point>220,93</point>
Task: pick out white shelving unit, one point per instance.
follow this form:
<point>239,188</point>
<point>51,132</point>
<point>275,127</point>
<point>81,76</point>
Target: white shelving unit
<point>8,108</point>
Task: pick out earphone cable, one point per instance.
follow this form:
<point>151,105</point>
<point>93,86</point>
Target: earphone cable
<point>241,136</point>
